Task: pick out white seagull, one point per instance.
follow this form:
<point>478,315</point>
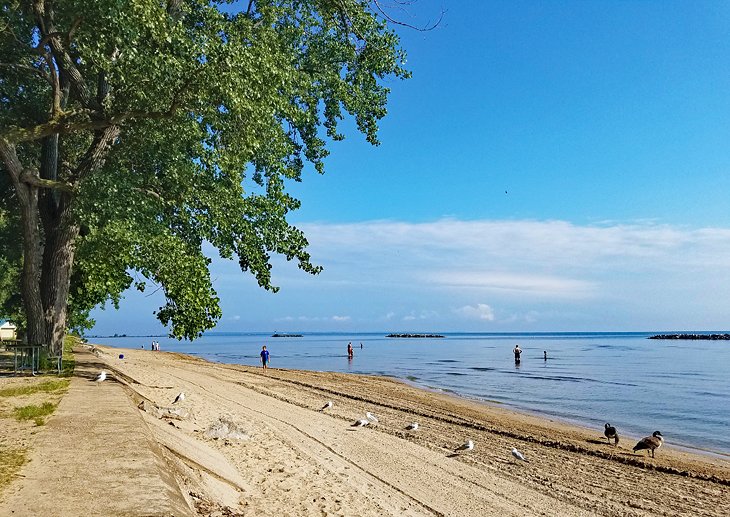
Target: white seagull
<point>412,427</point>
<point>371,417</point>
<point>327,406</point>
<point>101,377</point>
<point>518,455</point>
<point>180,397</point>
<point>465,447</point>
<point>361,423</point>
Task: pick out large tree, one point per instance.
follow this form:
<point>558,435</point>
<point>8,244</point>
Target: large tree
<point>134,132</point>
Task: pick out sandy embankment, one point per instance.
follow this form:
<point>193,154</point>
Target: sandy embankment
<point>295,460</point>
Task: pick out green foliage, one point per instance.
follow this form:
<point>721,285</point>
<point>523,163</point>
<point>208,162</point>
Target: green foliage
<point>219,105</point>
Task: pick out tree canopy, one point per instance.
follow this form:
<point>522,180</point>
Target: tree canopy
<point>131,133</point>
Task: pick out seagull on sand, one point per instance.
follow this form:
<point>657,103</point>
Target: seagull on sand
<point>361,423</point>
<point>180,397</point>
<point>371,417</point>
<point>412,427</point>
<point>610,432</point>
<point>465,447</point>
<point>518,455</point>
<point>101,377</point>
<point>650,443</point>
<point>327,406</point>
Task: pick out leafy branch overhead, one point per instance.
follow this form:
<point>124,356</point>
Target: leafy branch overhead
<point>140,130</point>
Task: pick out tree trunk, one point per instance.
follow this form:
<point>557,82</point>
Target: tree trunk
<point>36,331</point>
<point>58,257</point>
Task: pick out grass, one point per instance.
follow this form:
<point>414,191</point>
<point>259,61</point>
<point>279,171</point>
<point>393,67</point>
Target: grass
<point>49,386</point>
<point>10,462</point>
<point>35,413</point>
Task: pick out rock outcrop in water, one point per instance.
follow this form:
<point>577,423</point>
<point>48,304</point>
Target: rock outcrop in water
<point>707,337</point>
<point>416,335</point>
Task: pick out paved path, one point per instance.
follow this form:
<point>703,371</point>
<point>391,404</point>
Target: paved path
<point>83,460</point>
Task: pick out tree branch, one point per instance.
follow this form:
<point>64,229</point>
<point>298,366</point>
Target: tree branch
<point>29,68</point>
<point>31,178</point>
<point>426,28</point>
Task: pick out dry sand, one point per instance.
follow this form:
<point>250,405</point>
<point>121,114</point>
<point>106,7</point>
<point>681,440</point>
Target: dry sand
<point>282,456</point>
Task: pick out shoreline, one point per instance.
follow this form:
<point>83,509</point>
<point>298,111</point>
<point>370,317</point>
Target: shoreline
<point>584,424</point>
<point>288,449</point>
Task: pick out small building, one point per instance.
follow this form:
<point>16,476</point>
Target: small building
<point>8,331</point>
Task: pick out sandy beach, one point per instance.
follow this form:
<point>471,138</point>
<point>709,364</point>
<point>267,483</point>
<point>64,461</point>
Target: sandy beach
<point>247,443</point>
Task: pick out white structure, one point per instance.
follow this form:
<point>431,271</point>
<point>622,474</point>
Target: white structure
<point>8,331</point>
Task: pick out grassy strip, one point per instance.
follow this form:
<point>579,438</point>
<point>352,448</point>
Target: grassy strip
<point>35,413</point>
<point>10,462</point>
<point>49,386</point>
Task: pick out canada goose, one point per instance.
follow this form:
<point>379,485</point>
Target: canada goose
<point>610,432</point>
<point>650,443</point>
<point>180,397</point>
<point>327,405</point>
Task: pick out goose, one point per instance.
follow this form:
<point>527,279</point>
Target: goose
<point>610,432</point>
<point>650,443</point>
<point>327,405</point>
<point>180,397</point>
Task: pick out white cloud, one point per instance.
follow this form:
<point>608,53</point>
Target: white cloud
<point>480,311</point>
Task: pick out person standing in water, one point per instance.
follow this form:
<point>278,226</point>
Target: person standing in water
<point>544,355</point>
<point>264,358</point>
<point>350,351</point>
<point>517,351</point>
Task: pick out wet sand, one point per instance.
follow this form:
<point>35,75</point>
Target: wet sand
<point>284,457</point>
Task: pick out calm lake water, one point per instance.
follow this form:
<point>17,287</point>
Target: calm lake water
<point>681,388</point>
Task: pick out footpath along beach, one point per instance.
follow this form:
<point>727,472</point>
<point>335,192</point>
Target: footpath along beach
<point>245,443</point>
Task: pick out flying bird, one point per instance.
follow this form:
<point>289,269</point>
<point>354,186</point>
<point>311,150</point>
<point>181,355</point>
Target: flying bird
<point>650,443</point>
<point>361,423</point>
<point>465,447</point>
<point>412,427</point>
<point>180,397</point>
<point>610,432</point>
<point>327,406</point>
<point>371,417</point>
<point>518,455</point>
<point>101,377</point>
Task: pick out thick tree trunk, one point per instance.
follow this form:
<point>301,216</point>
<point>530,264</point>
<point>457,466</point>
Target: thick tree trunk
<point>58,257</point>
<point>28,201</point>
<point>36,331</point>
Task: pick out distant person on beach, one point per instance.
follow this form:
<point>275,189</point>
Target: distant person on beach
<point>517,351</point>
<point>264,358</point>
<point>350,351</point>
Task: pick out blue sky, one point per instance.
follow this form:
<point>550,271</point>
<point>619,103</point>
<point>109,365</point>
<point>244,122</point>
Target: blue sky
<point>554,165</point>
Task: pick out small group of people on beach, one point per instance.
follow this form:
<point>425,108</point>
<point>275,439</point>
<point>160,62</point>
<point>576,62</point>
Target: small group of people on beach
<point>155,346</point>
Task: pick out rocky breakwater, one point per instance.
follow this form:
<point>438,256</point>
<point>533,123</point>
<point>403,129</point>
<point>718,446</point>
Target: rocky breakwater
<point>707,337</point>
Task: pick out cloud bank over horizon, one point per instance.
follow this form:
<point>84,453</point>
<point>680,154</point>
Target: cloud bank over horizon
<point>482,275</point>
